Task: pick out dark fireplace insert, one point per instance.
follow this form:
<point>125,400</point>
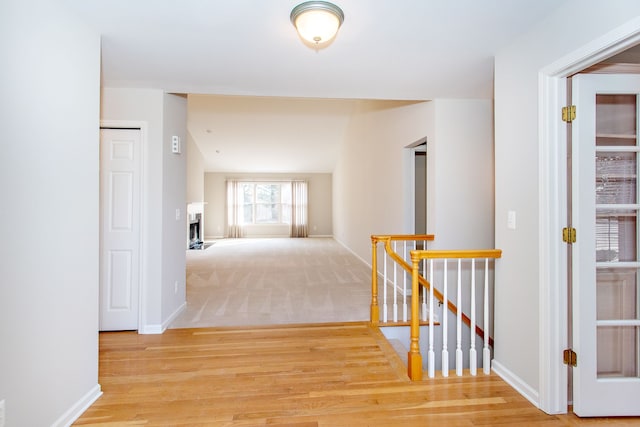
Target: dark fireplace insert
<point>195,232</point>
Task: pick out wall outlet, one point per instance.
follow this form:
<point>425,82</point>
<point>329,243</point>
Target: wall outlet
<point>2,414</point>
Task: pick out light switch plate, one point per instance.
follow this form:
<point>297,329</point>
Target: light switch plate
<point>511,220</point>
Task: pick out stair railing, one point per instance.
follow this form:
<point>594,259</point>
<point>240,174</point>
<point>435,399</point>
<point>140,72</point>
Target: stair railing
<point>400,287</point>
<point>414,363</point>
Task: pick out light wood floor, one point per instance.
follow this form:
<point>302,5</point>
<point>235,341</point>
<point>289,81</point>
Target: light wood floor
<point>313,375</point>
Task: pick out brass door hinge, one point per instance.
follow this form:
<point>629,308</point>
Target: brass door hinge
<point>569,113</point>
<point>569,357</point>
<point>569,235</point>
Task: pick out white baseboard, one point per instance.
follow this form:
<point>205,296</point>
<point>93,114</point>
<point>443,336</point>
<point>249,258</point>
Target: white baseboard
<point>173,316</point>
<point>150,329</point>
<point>206,238</point>
<point>74,412</point>
<point>516,382</point>
<point>368,264</point>
<point>159,329</point>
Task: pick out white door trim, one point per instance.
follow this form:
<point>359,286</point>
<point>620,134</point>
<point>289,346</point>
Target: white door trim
<point>144,232</point>
<point>552,215</point>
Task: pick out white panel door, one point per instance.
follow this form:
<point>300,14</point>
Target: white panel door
<point>120,170</point>
<point>606,321</point>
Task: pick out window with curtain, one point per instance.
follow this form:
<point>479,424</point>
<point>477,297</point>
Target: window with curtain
<point>252,202</point>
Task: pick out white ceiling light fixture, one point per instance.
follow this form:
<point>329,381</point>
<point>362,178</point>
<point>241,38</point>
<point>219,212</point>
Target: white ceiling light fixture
<point>317,22</point>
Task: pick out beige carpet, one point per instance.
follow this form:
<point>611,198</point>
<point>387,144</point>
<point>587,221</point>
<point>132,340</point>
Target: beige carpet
<point>246,282</point>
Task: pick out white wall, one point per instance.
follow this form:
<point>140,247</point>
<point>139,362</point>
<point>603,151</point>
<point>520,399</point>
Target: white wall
<point>369,181</point>
<point>163,172</point>
<point>521,273</point>
<point>214,213</point>
<point>145,105</point>
<point>174,199</point>
<point>320,203</point>
<point>195,172</point>
<point>460,171</point>
<point>50,82</point>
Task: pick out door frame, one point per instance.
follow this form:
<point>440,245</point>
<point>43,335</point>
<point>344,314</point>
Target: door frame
<point>552,214</point>
<point>410,186</point>
<point>144,232</point>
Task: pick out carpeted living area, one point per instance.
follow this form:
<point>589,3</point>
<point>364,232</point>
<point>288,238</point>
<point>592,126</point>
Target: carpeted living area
<point>266,281</point>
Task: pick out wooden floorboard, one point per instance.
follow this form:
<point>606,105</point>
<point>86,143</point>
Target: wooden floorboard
<point>320,375</point>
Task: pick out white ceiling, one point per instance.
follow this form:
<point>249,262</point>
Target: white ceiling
<point>267,134</point>
<point>386,49</point>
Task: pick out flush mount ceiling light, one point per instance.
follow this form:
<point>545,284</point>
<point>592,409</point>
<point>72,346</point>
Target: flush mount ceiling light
<point>317,22</point>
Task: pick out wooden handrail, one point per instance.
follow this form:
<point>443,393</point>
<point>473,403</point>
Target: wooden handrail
<point>386,237</point>
<point>465,253</point>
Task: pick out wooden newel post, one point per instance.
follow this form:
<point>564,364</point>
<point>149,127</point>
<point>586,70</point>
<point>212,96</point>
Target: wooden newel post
<point>375,309</point>
<point>414,357</point>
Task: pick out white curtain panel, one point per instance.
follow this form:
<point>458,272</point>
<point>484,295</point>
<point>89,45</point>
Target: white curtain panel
<point>299,226</point>
<point>234,209</point>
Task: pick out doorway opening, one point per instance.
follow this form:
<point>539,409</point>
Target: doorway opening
<point>416,179</point>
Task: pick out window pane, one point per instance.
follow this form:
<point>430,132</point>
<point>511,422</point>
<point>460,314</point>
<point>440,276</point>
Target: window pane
<point>247,214</point>
<point>246,194</point>
<point>246,201</point>
<point>286,214</point>
<point>615,178</point>
<point>268,193</point>
<point>617,294</point>
<point>267,213</point>
<point>616,233</point>
<point>286,202</point>
<point>616,120</point>
<point>617,351</point>
<point>286,193</point>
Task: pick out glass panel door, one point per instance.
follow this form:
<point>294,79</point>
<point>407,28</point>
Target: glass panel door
<point>605,263</point>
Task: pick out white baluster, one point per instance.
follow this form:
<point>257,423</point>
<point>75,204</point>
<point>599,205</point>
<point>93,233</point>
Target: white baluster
<point>486,353</point>
<point>395,287</point>
<point>473,368</point>
<point>384,291</point>
<point>445,352</point>
<point>431,361</point>
<point>404,283</point>
<point>459,322</point>
<point>424,293</point>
